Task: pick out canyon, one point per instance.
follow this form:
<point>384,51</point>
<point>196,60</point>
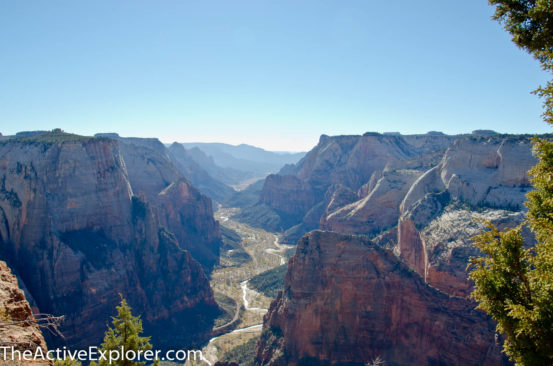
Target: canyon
<point>86,220</point>
<point>386,277</point>
<point>405,192</point>
<point>381,225</point>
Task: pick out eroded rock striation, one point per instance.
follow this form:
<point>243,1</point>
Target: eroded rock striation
<point>347,169</point>
<point>347,301</point>
<point>180,207</point>
<point>418,194</point>
<point>77,234</point>
<point>479,178</point>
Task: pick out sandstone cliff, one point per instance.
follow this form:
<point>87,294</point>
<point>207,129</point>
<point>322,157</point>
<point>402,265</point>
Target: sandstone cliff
<point>359,164</point>
<point>75,233</point>
<point>478,178</point>
<point>347,301</point>
<point>18,327</point>
<point>212,186</point>
<point>180,207</point>
<point>421,193</point>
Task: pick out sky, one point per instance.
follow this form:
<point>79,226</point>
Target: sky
<point>275,74</point>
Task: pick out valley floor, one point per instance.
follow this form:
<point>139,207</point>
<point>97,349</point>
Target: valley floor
<point>231,280</point>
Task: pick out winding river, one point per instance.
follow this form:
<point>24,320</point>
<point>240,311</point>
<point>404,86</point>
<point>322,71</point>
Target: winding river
<point>209,352</point>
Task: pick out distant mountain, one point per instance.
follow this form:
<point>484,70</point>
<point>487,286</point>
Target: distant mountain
<point>210,184</point>
<point>225,175</point>
<point>242,162</point>
<point>189,165</point>
<point>398,290</point>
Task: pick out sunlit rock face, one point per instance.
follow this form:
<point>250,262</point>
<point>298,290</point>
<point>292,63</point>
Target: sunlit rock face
<point>478,179</point>
<point>19,328</point>
<point>337,183</point>
<point>347,301</point>
<point>80,227</point>
<point>423,193</point>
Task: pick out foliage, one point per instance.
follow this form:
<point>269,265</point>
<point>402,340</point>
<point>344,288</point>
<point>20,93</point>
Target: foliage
<point>54,136</point>
<point>243,354</point>
<point>530,22</point>
<point>376,362</point>
<point>228,305</point>
<point>514,283</point>
<point>270,282</point>
<point>232,245</point>
<point>263,216</point>
<point>125,333</point>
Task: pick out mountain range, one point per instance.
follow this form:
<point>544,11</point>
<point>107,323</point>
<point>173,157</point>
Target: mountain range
<point>388,272</point>
<point>382,222</point>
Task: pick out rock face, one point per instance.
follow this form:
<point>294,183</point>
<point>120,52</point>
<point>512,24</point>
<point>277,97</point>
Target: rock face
<point>378,210</point>
<point>358,164</point>
<point>347,301</point>
<point>209,184</point>
<point>166,163</point>
<point>77,235</point>
<point>18,326</point>
<point>183,210</point>
<point>421,193</point>
<point>478,178</point>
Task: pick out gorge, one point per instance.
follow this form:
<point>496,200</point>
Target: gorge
<point>382,224</point>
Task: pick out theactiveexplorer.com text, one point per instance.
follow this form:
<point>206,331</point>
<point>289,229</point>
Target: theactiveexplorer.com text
<point>8,353</point>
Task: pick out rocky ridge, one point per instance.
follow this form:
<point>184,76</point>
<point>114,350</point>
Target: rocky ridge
<point>18,327</point>
<point>347,301</point>
<point>77,233</point>
<point>402,190</point>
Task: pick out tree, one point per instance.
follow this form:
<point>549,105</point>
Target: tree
<point>514,282</point>
<point>530,22</point>
<point>125,333</point>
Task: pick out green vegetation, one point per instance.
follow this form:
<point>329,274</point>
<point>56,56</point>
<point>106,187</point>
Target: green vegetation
<point>247,197</point>
<point>125,333</point>
<point>261,215</point>
<point>243,354</point>
<point>231,239</point>
<point>53,136</point>
<point>530,22</point>
<point>514,283</point>
<point>232,242</point>
<point>270,282</point>
<point>228,305</point>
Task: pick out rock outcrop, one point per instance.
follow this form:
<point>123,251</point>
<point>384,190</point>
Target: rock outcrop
<point>479,178</point>
<point>378,210</point>
<point>76,234</point>
<point>18,327</point>
<point>212,186</point>
<point>347,301</point>
<point>301,195</point>
<point>181,208</point>
<point>416,186</point>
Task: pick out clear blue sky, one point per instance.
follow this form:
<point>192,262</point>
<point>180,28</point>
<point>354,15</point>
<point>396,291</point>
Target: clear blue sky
<point>275,74</point>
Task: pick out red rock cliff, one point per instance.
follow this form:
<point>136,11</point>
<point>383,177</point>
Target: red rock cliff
<point>77,237</point>
<point>18,327</point>
<point>348,301</point>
